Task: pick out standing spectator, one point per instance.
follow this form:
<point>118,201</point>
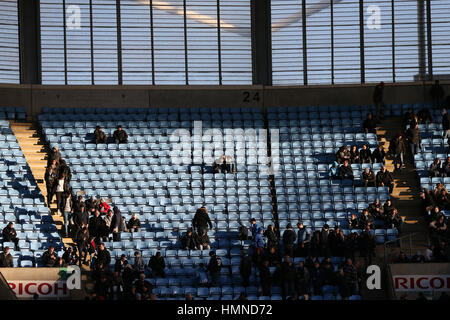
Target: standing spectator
<point>70,257</point>
<point>134,224</point>
<point>6,259</point>
<point>367,245</point>
<point>437,94</point>
<point>50,257</point>
<point>346,171</point>
<point>303,240</point>
<point>245,268</point>
<point>289,238</point>
<point>378,101</point>
<point>201,220</point>
<point>302,274</point>
<point>272,237</point>
<point>351,277</point>
<point>365,154</point>
<point>103,257</point>
<point>82,241</point>
<point>68,210</point>
<point>55,154</point>
<point>341,284</point>
<point>214,267</point>
<point>259,241</point>
<point>324,247</point>
<point>435,168</point>
<point>9,234</point>
<point>413,136</point>
<point>157,265</point>
<point>445,123</point>
<point>369,124</point>
<point>80,218</point>
<point>51,175</point>
<point>99,135</point>
<point>378,155</point>
<point>203,241</point>
<point>368,176</point>
<point>384,179</point>
<point>397,149</point>
<point>409,119</point>
<point>424,116</point>
<point>65,169</point>
<point>120,135</point>
<point>446,167</point>
<point>253,227</point>
<point>96,226</point>
<point>317,278</point>
<point>265,278</point>
<point>116,222</point>
<point>273,256</point>
<point>120,264</point>
<point>60,188</point>
<point>288,277</point>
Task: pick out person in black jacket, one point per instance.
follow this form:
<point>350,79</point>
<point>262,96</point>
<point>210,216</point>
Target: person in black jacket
<point>413,136</point>
<point>189,241</point>
<point>369,124</point>
<point>378,100</point>
<point>245,268</point>
<point>271,235</point>
<point>324,245</point>
<point>435,168</point>
<point>65,169</point>
<point>55,154</point>
<point>384,179</point>
<point>289,238</point>
<point>120,135</point>
<point>134,224</point>
<point>157,264</point>
<point>116,221</point>
<point>96,226</point>
<point>265,278</point>
<point>378,155</point>
<point>203,241</point>
<point>367,245</point>
<point>99,135</point>
<point>82,241</point>
<point>445,123</point>
<point>409,118</point>
<point>346,171</point>
<point>365,154</point>
<point>288,277</point>
<point>51,175</point>
<point>6,259</point>
<point>368,177</point>
<point>50,257</point>
<point>10,235</point>
<point>201,220</point>
<point>103,257</point>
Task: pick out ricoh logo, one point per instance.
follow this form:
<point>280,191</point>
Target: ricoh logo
<point>205,147</point>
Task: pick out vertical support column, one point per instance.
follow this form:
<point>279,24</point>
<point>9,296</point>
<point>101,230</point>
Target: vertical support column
<point>421,39</point>
<point>152,42</point>
<point>361,41</point>
<point>393,39</point>
<point>219,44</point>
<point>186,61</point>
<point>119,44</point>
<point>91,35</point>
<point>261,42</point>
<point>305,59</point>
<point>429,42</point>
<point>29,41</point>
<point>332,39</point>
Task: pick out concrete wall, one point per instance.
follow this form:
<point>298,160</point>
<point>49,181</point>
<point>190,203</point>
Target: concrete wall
<point>35,97</point>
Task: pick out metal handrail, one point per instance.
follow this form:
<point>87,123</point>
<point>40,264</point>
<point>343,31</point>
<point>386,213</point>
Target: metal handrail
<point>410,235</point>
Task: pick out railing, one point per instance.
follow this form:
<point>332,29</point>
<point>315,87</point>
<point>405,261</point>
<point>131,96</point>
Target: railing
<point>405,243</point>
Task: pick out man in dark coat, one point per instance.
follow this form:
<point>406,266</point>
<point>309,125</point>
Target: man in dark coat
<point>346,171</point>
<point>413,136</point>
<point>384,179</point>
<point>378,155</point>
<point>99,135</point>
<point>6,259</point>
<point>120,135</point>
<point>288,276</point>
<point>96,226</point>
<point>324,247</point>
<point>82,241</point>
<point>369,124</point>
<point>50,257</point>
<point>289,238</point>
<point>378,100</point>
<point>115,224</point>
<point>103,257</point>
<point>245,268</point>
<point>189,241</point>
<point>271,235</point>
<point>367,245</point>
<point>10,235</point>
<point>157,264</point>
<point>445,123</point>
<point>265,278</point>
<point>201,220</point>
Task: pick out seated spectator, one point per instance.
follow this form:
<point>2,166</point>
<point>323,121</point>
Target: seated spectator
<point>368,176</point>
<point>418,257</point>
<point>10,235</point>
<point>394,220</point>
<point>365,154</point>
<point>438,227</point>
<point>369,124</point>
<point>203,241</point>
<point>70,257</point>
<point>6,259</point>
<point>378,155</point>
<point>142,288</point>
<point>354,155</point>
<point>103,207</point>
<point>346,171</point>
<point>388,208</point>
<point>384,179</point>
<point>189,241</point>
<point>120,264</point>
<point>134,224</point>
<point>376,209</point>
<point>435,168</point>
<point>201,276</point>
<point>402,258</point>
<point>443,200</point>
<point>157,265</point>
<point>409,119</point>
<point>334,171</point>
<point>220,165</point>
<point>342,154</point>
<point>99,135</point>
<point>446,168</point>
<point>424,116</point>
<point>353,222</point>
<point>50,257</point>
<point>230,165</point>
<point>365,219</point>
<point>120,135</point>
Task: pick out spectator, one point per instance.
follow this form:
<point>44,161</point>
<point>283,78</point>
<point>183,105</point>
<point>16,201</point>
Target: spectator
<point>289,238</point>
<point>402,258</point>
<point>65,169</point>
<point>245,268</point>
<point>188,242</point>
<point>142,288</point>
<point>351,277</point>
<point>219,165</point>
<point>418,257</point>
<point>354,155</point>
<point>6,259</point>
<point>120,135</point>
<point>80,218</point>
<point>394,220</point>
<point>97,226</point>
<point>334,171</point>
<point>10,235</point>
<point>397,149</point>
<point>108,218</point>
<point>435,168</point>
<point>438,227</point>
<point>253,227</point>
<point>303,240</point>
<point>70,257</point>
<point>82,241</point>
<point>157,265</point>
<point>409,119</point>
<point>273,256</point>
<point>103,207</point>
<point>317,278</point>
<point>116,224</point>
<point>353,222</point>
<point>365,219</point>
<point>214,267</point>
<point>367,245</point>
<point>265,278</point>
<point>368,177</point>
<point>203,241</point>
<point>445,123</point>
<point>365,154</point>
<point>324,248</point>
<point>343,289</point>
<point>55,154</point>
<point>378,101</point>
<point>201,220</point>
<point>50,257</point>
<point>120,264</point>
<point>424,116</point>
<point>288,277</point>
<point>376,209</point>
<point>272,237</point>
<point>437,94</point>
<point>68,211</point>
<point>378,155</point>
<point>384,179</point>
<point>103,257</point>
<point>369,124</point>
<point>134,224</point>
<point>259,241</point>
<point>243,233</point>
<point>230,165</point>
<point>443,200</point>
<point>102,289</point>
<point>342,154</point>
<point>302,280</point>
<point>201,276</point>
<point>346,171</point>
<point>60,188</point>
<point>51,175</point>
<point>413,136</point>
<point>446,167</point>
<point>139,264</point>
<point>99,135</point>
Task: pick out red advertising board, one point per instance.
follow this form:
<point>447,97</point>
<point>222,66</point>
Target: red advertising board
<point>422,282</point>
<point>50,289</point>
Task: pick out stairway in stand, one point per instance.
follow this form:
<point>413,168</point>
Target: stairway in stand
<point>405,196</point>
